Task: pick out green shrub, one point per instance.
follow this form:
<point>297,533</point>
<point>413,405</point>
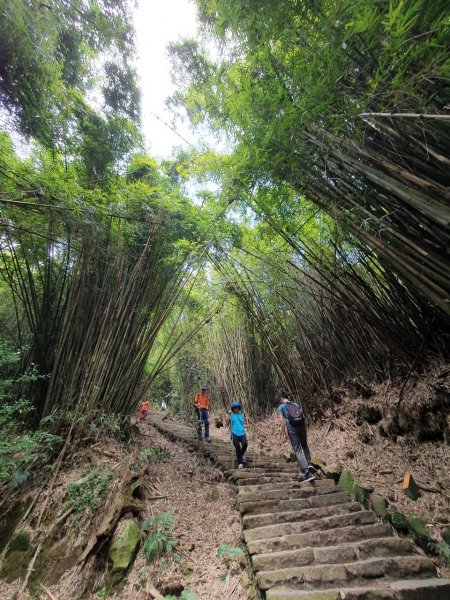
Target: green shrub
<point>85,496</point>
<point>159,528</point>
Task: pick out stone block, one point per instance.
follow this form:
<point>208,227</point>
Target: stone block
<point>379,505</point>
<point>346,482</point>
<point>398,521</point>
<point>419,531</point>
<point>124,545</point>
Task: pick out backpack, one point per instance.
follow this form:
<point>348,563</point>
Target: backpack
<point>294,414</point>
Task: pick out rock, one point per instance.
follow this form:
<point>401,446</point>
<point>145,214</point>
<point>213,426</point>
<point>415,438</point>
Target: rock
<point>398,521</point>
<point>418,529</point>
<point>446,536</point>
<point>124,546</point>
<point>410,487</point>
<point>362,493</point>
<point>333,472</point>
<point>346,482</point>
<point>379,505</point>
<point>318,463</point>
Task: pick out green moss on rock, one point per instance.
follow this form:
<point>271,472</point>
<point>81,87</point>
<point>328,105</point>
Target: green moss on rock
<point>419,531</point>
<point>124,546</point>
<point>379,505</point>
<point>398,521</point>
<point>346,482</point>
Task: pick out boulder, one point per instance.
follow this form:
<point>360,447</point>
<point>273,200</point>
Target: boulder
<point>124,546</point>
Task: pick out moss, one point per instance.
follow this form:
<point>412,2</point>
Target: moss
<point>398,521</point>
<point>346,482</point>
<point>419,531</point>
<point>124,546</point>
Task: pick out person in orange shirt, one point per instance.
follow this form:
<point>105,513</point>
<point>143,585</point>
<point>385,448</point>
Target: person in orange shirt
<point>201,403</point>
<point>143,411</point>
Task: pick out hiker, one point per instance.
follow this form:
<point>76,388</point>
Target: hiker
<point>236,422</point>
<point>201,403</point>
<point>143,411</point>
<point>163,405</point>
<point>292,426</point>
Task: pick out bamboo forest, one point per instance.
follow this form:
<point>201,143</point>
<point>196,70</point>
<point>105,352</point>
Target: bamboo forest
<point>225,367</point>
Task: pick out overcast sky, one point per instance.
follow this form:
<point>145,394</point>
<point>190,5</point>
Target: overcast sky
<point>157,23</point>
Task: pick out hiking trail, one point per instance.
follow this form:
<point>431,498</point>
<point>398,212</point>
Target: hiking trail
<point>311,541</point>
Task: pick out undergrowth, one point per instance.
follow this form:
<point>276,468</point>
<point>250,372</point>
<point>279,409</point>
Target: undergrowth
<point>21,449</point>
<point>87,495</point>
<point>159,537</point>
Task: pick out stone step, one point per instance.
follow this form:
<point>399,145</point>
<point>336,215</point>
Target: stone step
<point>309,501</point>
<point>330,537</point>
<point>252,521</point>
<point>264,487</point>
<point>250,479</point>
<point>406,589</point>
<point>358,550</point>
<point>353,573</point>
<point>280,498</point>
<point>362,517</point>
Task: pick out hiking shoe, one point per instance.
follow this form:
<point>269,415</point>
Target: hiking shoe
<point>312,469</point>
<point>308,476</point>
<point>240,466</point>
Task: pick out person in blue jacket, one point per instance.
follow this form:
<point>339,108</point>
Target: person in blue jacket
<point>238,437</point>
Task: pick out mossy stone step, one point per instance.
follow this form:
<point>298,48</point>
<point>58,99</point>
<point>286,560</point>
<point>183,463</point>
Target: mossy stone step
<point>327,537</point>
<point>360,550</point>
<point>252,521</point>
<point>362,517</point>
<point>354,573</point>
<point>408,589</point>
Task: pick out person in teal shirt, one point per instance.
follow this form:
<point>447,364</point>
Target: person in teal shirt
<point>238,437</point>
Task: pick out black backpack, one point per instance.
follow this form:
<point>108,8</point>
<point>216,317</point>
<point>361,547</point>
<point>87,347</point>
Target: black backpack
<point>294,414</point>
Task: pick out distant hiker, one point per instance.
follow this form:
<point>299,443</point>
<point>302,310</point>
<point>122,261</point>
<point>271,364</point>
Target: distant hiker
<point>201,403</point>
<point>163,405</point>
<point>292,427</point>
<point>238,437</point>
<point>143,411</point>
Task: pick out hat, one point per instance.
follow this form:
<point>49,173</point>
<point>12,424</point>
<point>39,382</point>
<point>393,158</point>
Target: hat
<point>204,387</point>
<point>236,405</point>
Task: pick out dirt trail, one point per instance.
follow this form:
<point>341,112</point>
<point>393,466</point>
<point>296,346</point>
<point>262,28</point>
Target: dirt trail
<point>310,541</point>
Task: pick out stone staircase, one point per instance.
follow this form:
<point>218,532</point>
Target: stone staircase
<point>310,541</point>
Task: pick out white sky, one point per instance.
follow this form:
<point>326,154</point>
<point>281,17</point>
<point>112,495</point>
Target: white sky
<point>157,23</point>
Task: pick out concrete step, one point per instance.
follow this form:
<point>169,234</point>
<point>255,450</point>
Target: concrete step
<point>252,521</point>
<point>330,537</point>
<point>361,517</point>
<point>353,573</point>
<point>407,589</point>
<point>358,550</point>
